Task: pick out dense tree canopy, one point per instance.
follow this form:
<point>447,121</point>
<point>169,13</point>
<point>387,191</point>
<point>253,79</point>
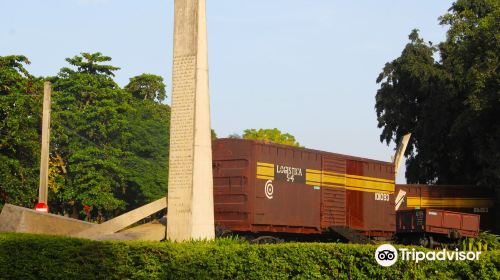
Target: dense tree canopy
<point>147,86</point>
<point>89,121</point>
<point>20,122</point>
<point>109,146</point>
<point>452,106</point>
<point>270,135</point>
<point>147,162</point>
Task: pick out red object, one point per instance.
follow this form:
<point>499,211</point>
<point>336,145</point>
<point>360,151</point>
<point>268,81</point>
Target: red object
<point>42,207</point>
<point>87,208</point>
<point>437,221</point>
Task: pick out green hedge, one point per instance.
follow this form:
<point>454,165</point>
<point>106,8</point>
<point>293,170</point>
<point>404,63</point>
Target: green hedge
<point>24,256</point>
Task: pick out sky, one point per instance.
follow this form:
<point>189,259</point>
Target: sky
<point>308,68</point>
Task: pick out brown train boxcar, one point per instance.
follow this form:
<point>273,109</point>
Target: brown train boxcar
<point>467,199</point>
<point>276,189</point>
<point>431,227</point>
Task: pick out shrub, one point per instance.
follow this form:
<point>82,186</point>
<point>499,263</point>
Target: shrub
<point>24,256</point>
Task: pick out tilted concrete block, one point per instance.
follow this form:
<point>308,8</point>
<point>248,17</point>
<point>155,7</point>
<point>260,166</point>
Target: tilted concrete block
<point>19,219</point>
<point>123,221</point>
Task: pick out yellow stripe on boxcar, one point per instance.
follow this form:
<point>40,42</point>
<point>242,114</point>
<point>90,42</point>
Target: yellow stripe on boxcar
<point>265,171</point>
<point>370,178</point>
<point>313,176</point>
<point>369,185</point>
<point>450,202</point>
<point>328,179</point>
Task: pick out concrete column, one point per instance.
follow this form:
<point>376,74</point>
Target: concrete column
<point>190,190</point>
<point>44,158</point>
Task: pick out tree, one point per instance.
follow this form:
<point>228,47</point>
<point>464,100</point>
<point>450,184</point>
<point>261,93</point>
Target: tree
<point>451,106</point>
<point>20,109</point>
<point>271,135</point>
<point>471,54</point>
<point>146,161</point>
<point>89,63</point>
<point>112,142</point>
<point>109,150</point>
<point>88,128</point>
<point>412,98</point>
<point>147,86</point>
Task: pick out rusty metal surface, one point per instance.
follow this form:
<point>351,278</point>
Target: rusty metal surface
<point>366,210</point>
<point>333,200</point>
<point>437,221</point>
<point>233,185</point>
<point>467,199</point>
<point>289,202</point>
<point>277,188</point>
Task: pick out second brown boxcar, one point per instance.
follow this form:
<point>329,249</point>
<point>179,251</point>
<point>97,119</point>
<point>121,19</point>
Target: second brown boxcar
<point>467,199</point>
<point>429,227</point>
<point>271,189</point>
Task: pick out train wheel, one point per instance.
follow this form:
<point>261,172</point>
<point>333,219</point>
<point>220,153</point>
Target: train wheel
<point>221,232</point>
<point>423,241</point>
<point>454,246</point>
<point>266,240</point>
<point>433,244</point>
<point>454,235</point>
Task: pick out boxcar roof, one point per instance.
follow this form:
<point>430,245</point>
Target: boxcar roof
<point>305,149</point>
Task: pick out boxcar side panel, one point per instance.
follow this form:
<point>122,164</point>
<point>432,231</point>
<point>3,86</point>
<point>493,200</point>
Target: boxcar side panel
<point>443,222</point>
<point>410,221</point>
<point>355,199</point>
<point>370,195</point>
<point>233,192</point>
<point>282,197</point>
<point>333,192</point>
<point>383,215</point>
<point>470,222</point>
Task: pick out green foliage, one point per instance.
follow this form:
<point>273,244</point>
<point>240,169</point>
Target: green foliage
<point>114,145</point>
<point>42,257</point>
<point>487,241</point>
<point>20,122</point>
<point>451,106</point>
<point>88,128</point>
<point>271,135</point>
<point>15,78</point>
<point>146,160</point>
<point>412,99</point>
<point>108,149</point>
<point>89,63</point>
<point>147,86</point>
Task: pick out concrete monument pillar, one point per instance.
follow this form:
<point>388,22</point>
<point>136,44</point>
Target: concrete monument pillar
<point>44,157</point>
<point>190,183</point>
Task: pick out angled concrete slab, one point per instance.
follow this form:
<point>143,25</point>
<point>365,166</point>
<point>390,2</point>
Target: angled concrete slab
<point>19,219</point>
<point>123,221</point>
<point>153,231</point>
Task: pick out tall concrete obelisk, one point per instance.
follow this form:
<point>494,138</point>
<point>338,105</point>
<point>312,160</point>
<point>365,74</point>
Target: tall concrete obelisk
<point>190,189</point>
